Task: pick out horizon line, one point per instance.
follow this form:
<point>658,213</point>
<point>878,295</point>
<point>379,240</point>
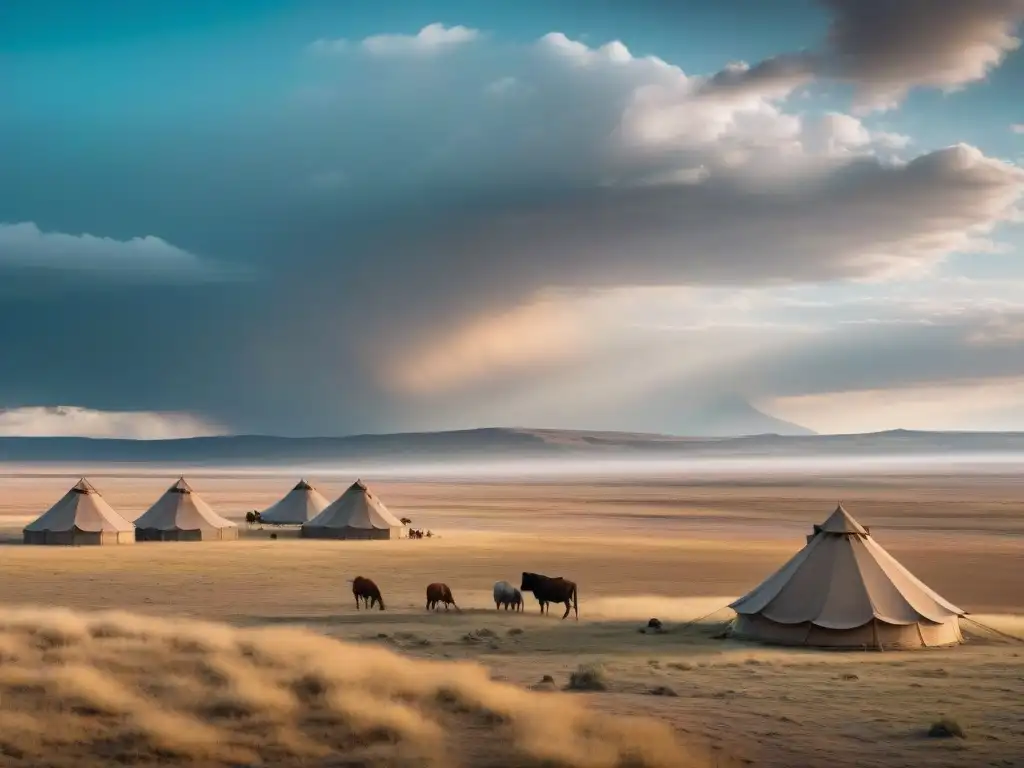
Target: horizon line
<point>420,433</point>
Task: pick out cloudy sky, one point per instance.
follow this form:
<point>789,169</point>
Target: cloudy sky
<point>295,217</point>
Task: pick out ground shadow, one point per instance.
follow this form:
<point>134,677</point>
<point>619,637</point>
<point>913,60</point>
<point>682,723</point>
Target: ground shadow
<point>525,634</point>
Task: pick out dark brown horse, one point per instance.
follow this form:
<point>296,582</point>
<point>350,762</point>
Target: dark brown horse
<point>551,589</point>
<point>365,589</point>
<point>440,593</point>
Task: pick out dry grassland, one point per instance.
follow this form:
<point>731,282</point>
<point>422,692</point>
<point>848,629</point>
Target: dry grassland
<point>264,686</point>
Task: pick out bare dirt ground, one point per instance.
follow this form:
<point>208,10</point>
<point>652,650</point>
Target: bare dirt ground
<point>637,548</point>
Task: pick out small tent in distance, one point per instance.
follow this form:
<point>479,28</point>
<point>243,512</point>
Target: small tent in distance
<point>300,505</point>
<point>81,517</point>
<point>182,515</point>
<point>843,590</point>
<point>356,514</point>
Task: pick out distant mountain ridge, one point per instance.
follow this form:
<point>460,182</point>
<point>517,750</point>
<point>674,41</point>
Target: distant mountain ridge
<point>488,444</point>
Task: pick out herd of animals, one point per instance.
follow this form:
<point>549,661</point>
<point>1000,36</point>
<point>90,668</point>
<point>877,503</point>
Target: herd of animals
<point>547,590</point>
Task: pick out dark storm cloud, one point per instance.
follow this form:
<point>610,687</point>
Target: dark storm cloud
<point>885,48</point>
<point>888,47</point>
<point>846,222</point>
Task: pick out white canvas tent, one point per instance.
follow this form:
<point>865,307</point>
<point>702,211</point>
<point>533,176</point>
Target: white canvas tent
<point>182,515</point>
<point>300,505</point>
<point>356,514</point>
<point>81,516</point>
<point>843,590</point>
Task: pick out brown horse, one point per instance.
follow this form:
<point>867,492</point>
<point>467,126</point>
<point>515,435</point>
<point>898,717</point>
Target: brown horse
<point>551,589</point>
<point>440,593</point>
<point>365,589</point>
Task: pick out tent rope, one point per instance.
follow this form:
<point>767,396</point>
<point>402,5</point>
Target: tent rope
<point>699,619</point>
<point>993,630</point>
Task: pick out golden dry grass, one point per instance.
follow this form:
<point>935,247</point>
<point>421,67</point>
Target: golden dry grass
<point>660,548</point>
<point>79,690</point>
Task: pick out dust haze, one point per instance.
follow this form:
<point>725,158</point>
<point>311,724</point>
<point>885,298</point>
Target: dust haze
<point>626,467</point>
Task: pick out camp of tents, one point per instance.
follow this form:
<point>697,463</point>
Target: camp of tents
<point>842,590</point>
<point>82,517</point>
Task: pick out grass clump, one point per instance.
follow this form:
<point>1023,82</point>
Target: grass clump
<point>588,677</point>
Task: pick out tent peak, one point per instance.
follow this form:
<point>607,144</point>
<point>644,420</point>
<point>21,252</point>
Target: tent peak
<point>842,522</point>
<point>302,485</point>
<point>84,486</point>
<point>181,486</point>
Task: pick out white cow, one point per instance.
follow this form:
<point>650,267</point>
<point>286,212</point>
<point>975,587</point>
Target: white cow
<point>508,596</point>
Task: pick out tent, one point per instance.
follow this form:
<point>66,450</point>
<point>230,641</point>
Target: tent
<point>356,514</point>
<point>843,590</point>
<point>81,516</point>
<point>301,504</point>
<point>182,515</point>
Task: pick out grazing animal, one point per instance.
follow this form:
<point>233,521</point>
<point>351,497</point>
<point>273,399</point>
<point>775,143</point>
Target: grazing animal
<point>506,596</point>
<point>551,589</point>
<point>440,593</point>
<point>365,589</point>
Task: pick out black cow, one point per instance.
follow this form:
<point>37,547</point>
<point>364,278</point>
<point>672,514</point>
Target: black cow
<point>551,589</point>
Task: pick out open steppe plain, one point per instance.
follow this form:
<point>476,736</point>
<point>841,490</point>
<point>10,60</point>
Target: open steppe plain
<point>146,685</point>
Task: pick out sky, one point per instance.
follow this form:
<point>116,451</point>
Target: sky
<point>319,218</point>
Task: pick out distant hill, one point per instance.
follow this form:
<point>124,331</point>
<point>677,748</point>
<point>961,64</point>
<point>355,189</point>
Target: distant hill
<point>489,444</point>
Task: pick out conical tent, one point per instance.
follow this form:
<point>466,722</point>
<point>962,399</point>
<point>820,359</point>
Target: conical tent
<point>843,590</point>
<point>300,505</point>
<point>81,516</point>
<point>182,515</point>
<point>356,514</point>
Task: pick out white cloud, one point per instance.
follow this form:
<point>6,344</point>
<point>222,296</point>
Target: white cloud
<point>615,120</point>
<point>614,52</point>
<point>841,135</point>
<point>73,421</point>
<point>1019,128</point>
<point>431,39</point>
<point>24,245</point>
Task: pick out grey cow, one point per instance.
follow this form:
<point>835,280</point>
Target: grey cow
<point>507,596</point>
